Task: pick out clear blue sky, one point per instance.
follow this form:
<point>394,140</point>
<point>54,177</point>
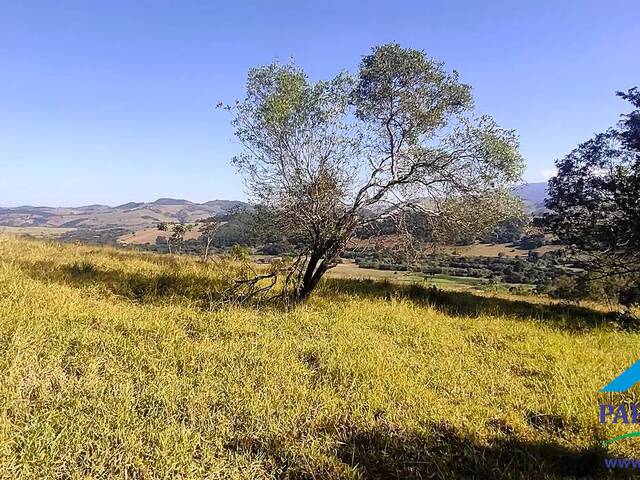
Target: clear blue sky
<point>113,101</point>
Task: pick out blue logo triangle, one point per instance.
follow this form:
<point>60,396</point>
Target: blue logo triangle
<point>625,380</point>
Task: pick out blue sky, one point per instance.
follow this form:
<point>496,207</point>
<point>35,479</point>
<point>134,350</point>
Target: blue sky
<point>113,101</point>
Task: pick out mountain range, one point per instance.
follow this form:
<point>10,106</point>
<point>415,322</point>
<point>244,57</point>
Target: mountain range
<point>132,215</point>
<point>533,195</point>
<point>139,215</point>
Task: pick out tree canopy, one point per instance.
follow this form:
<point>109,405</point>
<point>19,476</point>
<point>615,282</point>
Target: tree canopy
<point>595,197</point>
<point>396,140</point>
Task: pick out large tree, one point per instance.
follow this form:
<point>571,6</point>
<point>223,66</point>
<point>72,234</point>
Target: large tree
<point>395,141</point>
<point>595,198</point>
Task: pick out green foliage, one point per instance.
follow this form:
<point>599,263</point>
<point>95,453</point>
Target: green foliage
<point>532,241</point>
<point>424,93</point>
<point>542,270</point>
<point>175,241</point>
<point>329,158</point>
<point>276,249</point>
<point>616,289</point>
<point>595,209</point>
<point>239,252</point>
<point>107,236</point>
<point>594,197</point>
<point>509,230</point>
<point>208,226</point>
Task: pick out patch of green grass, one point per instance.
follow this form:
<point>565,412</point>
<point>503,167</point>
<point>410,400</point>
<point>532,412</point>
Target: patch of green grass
<point>453,280</point>
<point>120,370</point>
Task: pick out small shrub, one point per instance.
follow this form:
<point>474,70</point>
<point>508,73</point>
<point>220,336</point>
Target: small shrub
<point>240,253</point>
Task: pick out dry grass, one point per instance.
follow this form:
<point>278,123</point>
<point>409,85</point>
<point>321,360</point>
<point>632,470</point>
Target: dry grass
<point>495,249</point>
<point>475,250</point>
<point>112,367</point>
<point>352,271</point>
<point>149,235</point>
<point>39,232</point>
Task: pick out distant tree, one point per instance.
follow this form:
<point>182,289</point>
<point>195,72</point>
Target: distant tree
<point>164,227</point>
<point>239,253</point>
<point>238,228</point>
<point>275,249</point>
<point>178,231</point>
<point>532,241</point>
<point>207,227</point>
<point>595,201</point>
<point>508,230</point>
<point>330,157</point>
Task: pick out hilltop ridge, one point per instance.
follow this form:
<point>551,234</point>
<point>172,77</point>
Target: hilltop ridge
<point>131,215</point>
<point>140,215</point>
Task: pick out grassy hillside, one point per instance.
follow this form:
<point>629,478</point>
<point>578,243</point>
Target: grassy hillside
<point>40,232</point>
<point>149,235</point>
<point>114,365</point>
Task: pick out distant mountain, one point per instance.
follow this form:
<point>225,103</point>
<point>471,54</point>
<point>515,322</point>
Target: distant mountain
<point>129,206</point>
<point>140,215</point>
<point>533,195</point>
<point>171,201</point>
<point>132,216</point>
<point>95,208</point>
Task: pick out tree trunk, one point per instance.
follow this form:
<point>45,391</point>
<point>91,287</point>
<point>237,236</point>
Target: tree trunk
<point>310,270</point>
<point>312,276</point>
<point>206,250</point>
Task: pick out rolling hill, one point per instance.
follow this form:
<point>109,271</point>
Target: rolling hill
<point>136,216</point>
<point>133,215</point>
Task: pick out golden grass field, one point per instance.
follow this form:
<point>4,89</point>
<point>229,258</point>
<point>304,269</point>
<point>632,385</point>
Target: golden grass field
<point>495,249</point>
<point>149,235</point>
<point>121,364</point>
<point>387,242</point>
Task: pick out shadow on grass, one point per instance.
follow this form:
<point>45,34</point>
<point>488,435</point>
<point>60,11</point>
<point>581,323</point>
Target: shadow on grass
<point>172,282</point>
<point>137,286</point>
<point>566,316</point>
<point>381,454</point>
<point>437,451</point>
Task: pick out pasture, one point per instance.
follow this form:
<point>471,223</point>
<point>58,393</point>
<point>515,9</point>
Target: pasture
<point>118,364</point>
